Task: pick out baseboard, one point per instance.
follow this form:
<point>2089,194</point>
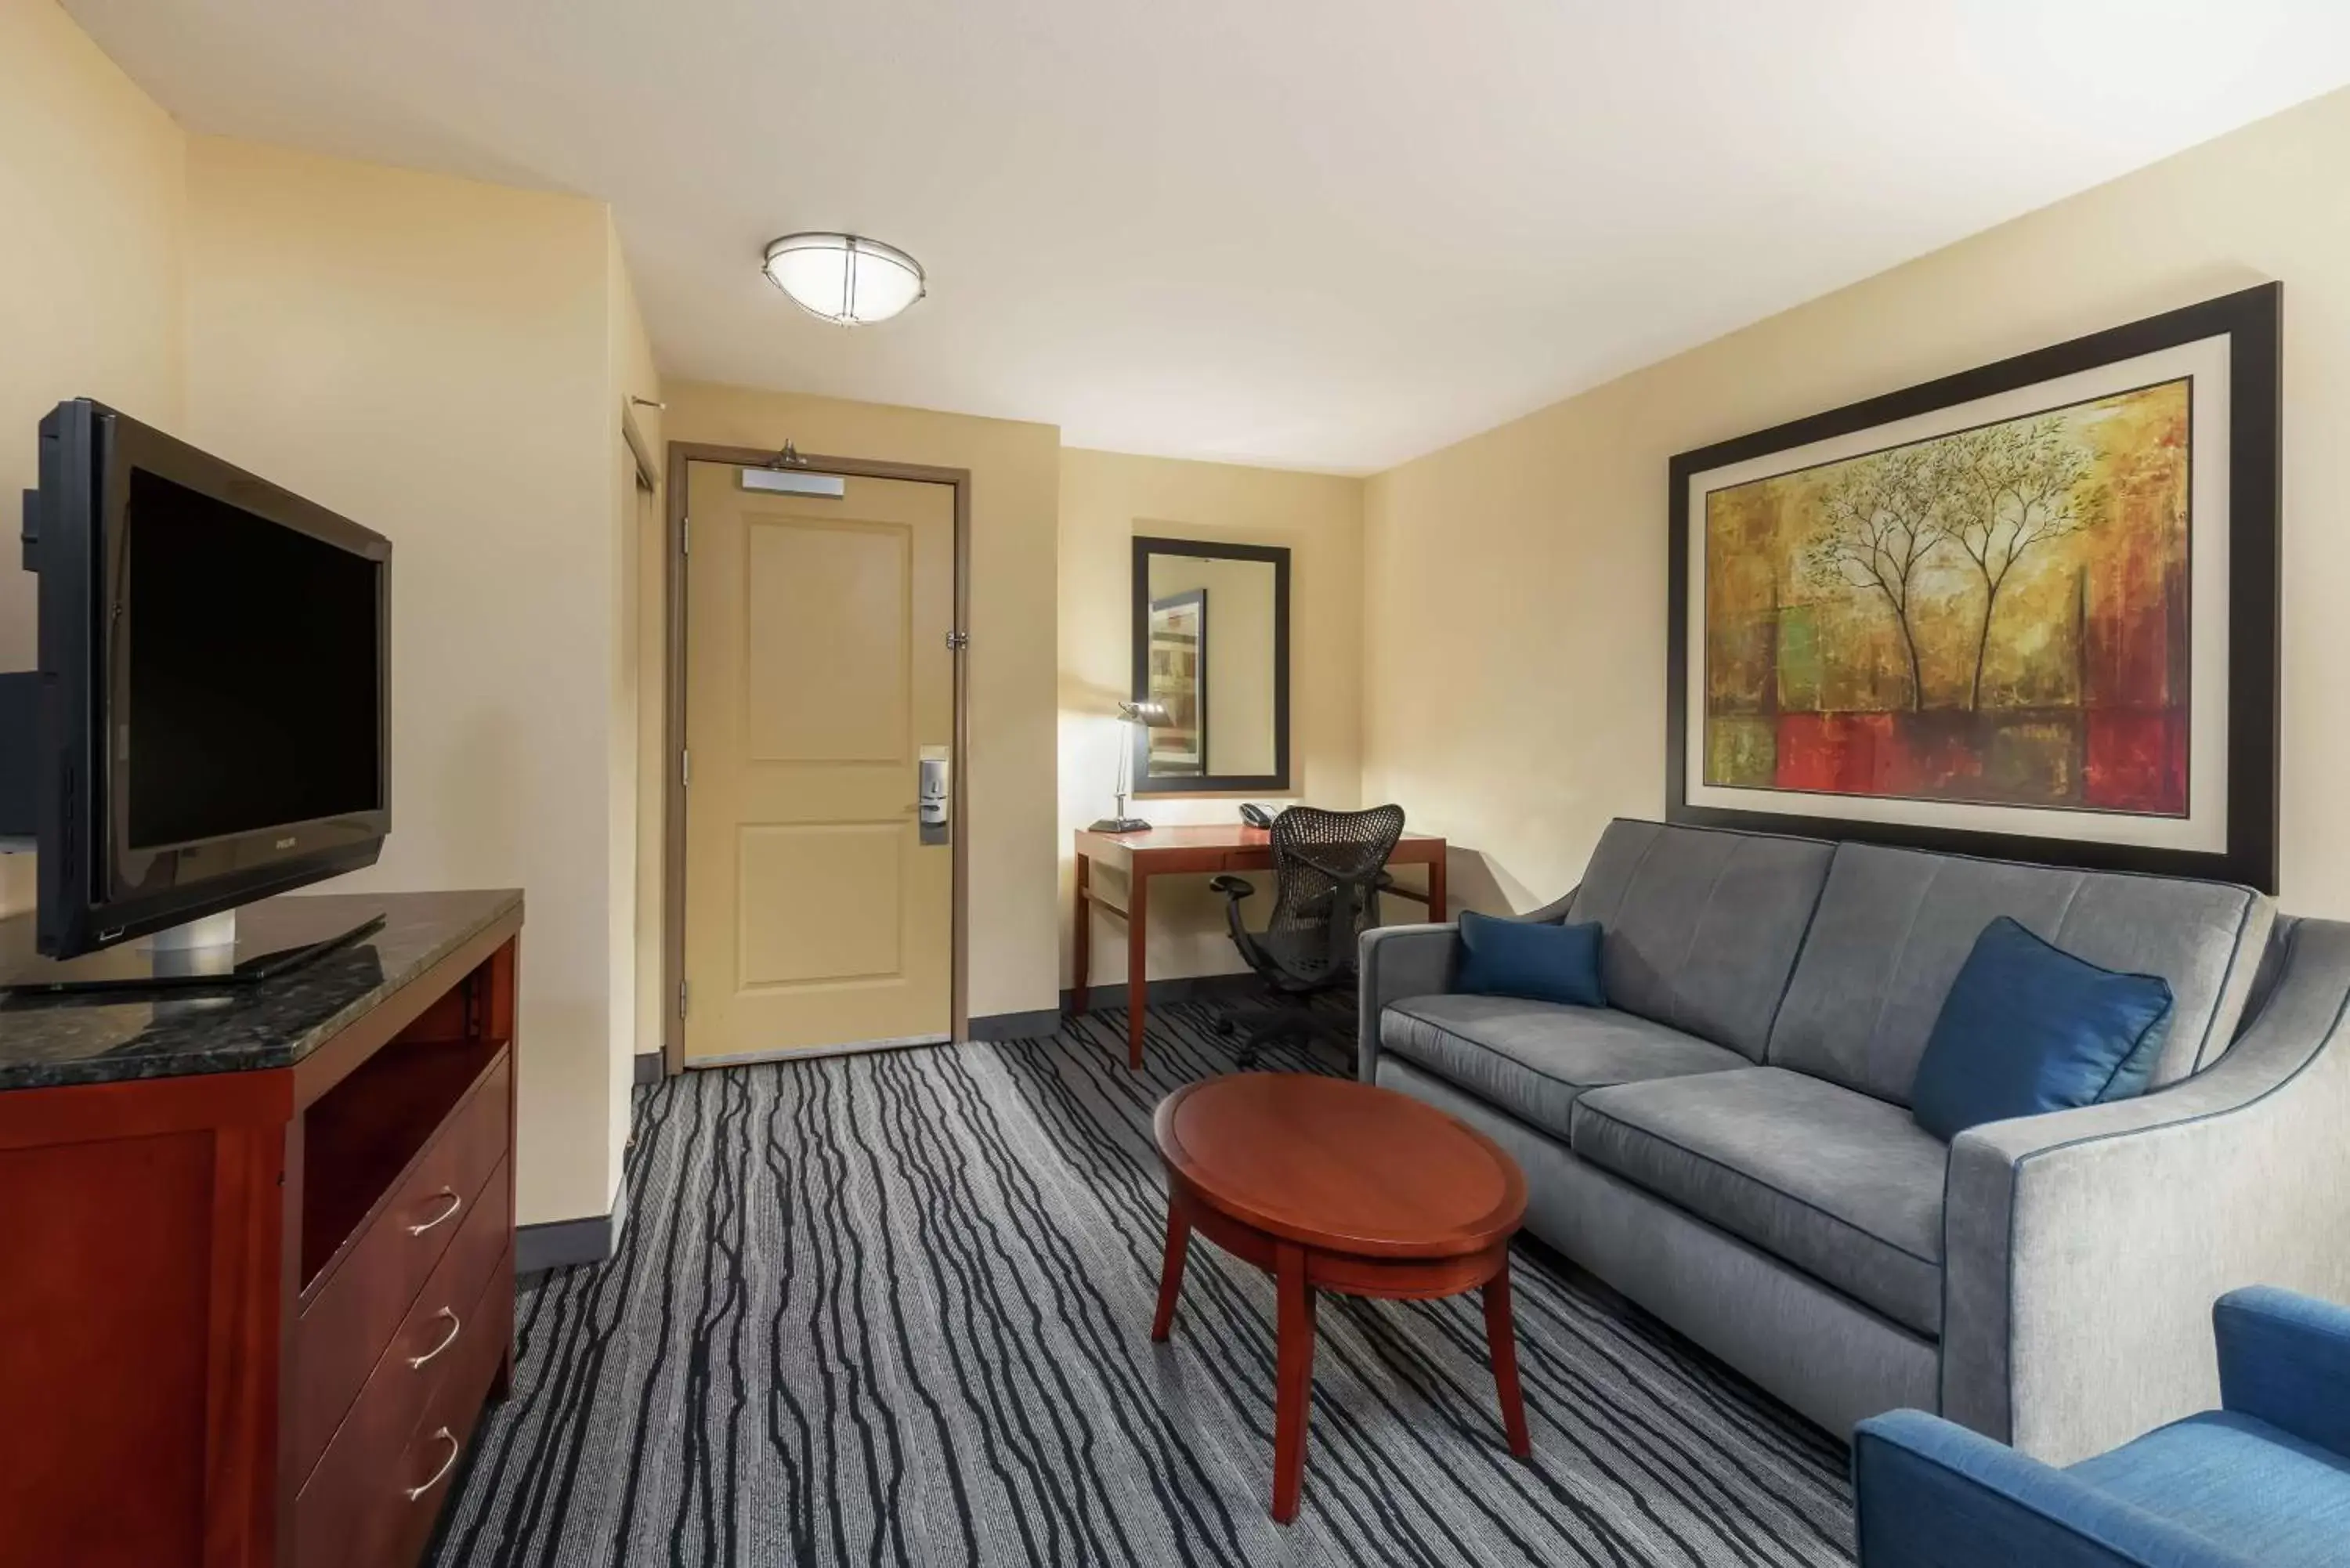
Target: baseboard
<point>1161,993</point>
<point>568,1244</point>
<point>1016,1026</point>
<point>1166,993</point>
<point>652,1068</point>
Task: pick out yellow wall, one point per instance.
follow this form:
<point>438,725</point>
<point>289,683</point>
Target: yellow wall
<point>93,216</point>
<point>1015,479</point>
<point>438,359</point>
<point>1517,579</point>
<point>1107,498</point>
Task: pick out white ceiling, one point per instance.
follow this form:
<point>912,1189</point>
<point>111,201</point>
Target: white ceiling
<point>1328,233</point>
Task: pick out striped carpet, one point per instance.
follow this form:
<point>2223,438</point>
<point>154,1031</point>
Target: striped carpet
<point>895,1309</point>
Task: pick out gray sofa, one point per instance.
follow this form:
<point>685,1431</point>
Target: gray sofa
<point>1730,1144</point>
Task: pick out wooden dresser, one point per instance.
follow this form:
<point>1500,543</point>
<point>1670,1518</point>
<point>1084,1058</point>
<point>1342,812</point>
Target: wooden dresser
<point>256,1252</point>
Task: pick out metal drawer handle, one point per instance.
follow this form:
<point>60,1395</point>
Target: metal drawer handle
<point>445,1436</point>
<point>455,1203</point>
<point>416,1362</point>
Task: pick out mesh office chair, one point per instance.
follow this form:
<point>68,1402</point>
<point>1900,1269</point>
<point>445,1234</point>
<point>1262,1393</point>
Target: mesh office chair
<point>1327,870</point>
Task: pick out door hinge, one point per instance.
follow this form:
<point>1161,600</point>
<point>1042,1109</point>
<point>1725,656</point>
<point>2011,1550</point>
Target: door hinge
<point>685,535</point>
<point>681,998</point>
<point>958,640</point>
<point>685,770</point>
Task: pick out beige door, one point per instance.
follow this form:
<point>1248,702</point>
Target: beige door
<point>817,676</point>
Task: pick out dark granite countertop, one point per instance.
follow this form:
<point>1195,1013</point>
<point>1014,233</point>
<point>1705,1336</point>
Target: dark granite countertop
<point>46,1042</point>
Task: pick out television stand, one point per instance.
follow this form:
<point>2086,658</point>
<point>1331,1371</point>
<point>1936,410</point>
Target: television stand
<point>257,1250</point>
<point>238,947</point>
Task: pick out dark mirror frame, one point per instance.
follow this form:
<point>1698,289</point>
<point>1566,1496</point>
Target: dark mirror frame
<point>1278,556</point>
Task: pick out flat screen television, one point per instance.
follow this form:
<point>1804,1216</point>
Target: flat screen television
<point>210,722</point>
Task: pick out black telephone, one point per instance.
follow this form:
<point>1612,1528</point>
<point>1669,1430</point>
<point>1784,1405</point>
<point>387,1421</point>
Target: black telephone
<point>1254,815</point>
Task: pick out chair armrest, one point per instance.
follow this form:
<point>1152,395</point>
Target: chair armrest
<point>1237,890</point>
<point>1930,1494</point>
<point>2285,1359</point>
<point>2082,1249</point>
<point>1392,962</point>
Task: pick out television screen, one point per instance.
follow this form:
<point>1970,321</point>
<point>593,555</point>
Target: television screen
<point>251,655</point>
<point>211,720</point>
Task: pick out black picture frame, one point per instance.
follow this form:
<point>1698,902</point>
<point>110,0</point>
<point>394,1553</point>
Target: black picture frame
<point>2252,321</point>
<point>1277,556</point>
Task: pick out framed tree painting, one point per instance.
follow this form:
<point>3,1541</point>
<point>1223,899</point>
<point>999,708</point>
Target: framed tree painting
<point>2027,611</point>
<point>1178,676</point>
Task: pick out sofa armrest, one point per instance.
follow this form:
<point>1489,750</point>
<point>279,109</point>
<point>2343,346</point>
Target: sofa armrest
<point>1397,961</point>
<point>2285,1359</point>
<point>1930,1494</point>
<point>2083,1249</point>
<point>1394,962</point>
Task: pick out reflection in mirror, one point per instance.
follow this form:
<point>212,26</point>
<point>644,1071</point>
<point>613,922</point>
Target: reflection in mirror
<point>1212,628</point>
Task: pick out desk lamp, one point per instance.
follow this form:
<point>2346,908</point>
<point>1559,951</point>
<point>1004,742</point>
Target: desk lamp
<point>1150,716</point>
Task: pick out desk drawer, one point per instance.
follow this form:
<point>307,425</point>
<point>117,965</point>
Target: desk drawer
<point>405,1433</point>
<point>339,1340</point>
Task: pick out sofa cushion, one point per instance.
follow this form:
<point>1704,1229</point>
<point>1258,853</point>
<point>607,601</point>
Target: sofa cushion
<point>1894,926</point>
<point>1845,1187</point>
<point>2029,1028</point>
<point>1530,959</point>
<point>1533,1058</point>
<point>1703,926</point>
<point>2266,1495</point>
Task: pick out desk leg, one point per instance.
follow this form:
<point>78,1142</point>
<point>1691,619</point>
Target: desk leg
<point>1081,937</point>
<point>1435,889</point>
<point>1137,960</point>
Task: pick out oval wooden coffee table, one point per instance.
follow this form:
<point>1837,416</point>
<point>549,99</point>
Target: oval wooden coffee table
<point>1330,1184</point>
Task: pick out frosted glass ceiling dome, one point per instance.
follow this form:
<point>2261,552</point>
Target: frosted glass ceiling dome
<point>844,277</point>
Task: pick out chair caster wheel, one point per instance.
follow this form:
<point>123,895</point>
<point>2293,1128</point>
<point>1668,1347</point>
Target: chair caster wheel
<point>1221,1025</point>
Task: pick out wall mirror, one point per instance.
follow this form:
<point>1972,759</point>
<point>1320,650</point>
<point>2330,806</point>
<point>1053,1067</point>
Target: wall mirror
<point>1212,650</point>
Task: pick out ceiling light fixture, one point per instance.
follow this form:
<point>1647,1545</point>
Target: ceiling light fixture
<point>843,278</point>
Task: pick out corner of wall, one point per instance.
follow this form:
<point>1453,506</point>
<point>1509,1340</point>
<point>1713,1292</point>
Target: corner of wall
<point>633,801</point>
<point>1107,498</point>
<point>434,356</point>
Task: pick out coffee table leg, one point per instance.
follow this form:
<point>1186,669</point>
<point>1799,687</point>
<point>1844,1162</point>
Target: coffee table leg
<point>1294,1380</point>
<point>1170,1269</point>
<point>1502,1343</point>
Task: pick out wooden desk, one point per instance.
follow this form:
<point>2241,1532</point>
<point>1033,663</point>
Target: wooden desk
<point>1191,850</point>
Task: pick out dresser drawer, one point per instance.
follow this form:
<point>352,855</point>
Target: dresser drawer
<point>340,1339</point>
<point>404,1437</point>
<point>437,1323</point>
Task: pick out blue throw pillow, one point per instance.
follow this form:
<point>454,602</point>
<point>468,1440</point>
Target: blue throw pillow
<point>1523,958</point>
<point>2030,1028</point>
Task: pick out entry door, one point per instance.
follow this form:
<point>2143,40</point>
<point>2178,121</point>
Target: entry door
<point>818,675</point>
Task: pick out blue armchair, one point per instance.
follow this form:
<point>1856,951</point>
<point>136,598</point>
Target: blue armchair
<point>2264,1482</point>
